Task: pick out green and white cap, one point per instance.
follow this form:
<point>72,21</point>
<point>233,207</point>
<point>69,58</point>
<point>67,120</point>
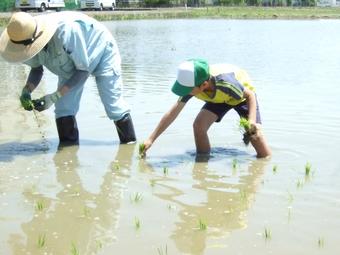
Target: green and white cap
<point>191,73</point>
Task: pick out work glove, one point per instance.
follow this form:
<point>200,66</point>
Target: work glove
<point>46,101</point>
<point>26,100</point>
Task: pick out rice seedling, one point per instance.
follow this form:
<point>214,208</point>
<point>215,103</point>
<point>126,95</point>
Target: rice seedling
<point>267,233</point>
<point>137,223</point>
<point>290,197</point>
<point>247,129</point>
<point>243,195</point>
<point>234,163</point>
<point>161,252</point>
<point>74,249</point>
<point>308,168</point>
<point>152,183</point>
<point>321,242</point>
<point>41,241</point>
<point>116,166</point>
<point>202,225</point>
<point>39,206</point>
<point>165,170</point>
<point>299,184</point>
<point>99,245</point>
<point>141,150</point>
<point>244,124</point>
<point>86,212</point>
<point>274,169</point>
<point>136,197</point>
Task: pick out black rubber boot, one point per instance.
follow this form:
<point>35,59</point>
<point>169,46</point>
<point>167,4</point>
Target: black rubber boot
<point>125,129</point>
<point>67,131</point>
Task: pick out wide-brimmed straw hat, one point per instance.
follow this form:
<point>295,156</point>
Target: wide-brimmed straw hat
<point>25,36</point>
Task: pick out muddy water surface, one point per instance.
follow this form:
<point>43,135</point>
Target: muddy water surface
<point>100,198</point>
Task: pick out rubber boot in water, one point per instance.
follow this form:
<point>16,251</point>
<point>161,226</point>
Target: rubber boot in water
<point>67,131</point>
<point>125,129</point>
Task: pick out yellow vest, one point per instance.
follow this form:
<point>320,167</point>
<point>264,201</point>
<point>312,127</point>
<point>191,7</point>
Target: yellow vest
<point>230,83</point>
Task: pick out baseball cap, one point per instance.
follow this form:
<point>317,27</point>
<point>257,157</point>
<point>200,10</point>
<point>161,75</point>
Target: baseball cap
<point>191,73</point>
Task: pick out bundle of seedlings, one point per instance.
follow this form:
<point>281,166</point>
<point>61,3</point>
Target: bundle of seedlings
<point>250,131</point>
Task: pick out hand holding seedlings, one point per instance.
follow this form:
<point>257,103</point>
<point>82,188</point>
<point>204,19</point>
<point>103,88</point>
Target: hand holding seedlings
<point>26,100</point>
<point>250,130</point>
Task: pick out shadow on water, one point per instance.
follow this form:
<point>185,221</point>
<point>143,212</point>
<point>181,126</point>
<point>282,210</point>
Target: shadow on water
<point>216,154</point>
<point>8,151</point>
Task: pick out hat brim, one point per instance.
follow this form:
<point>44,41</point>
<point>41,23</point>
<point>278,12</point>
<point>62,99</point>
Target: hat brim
<point>181,90</point>
<point>13,52</point>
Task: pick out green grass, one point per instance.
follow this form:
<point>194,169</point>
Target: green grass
<point>237,12</point>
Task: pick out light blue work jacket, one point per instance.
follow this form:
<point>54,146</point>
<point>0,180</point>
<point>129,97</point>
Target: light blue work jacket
<point>78,43</point>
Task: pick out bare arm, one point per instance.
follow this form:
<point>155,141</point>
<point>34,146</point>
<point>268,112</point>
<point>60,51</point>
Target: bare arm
<point>164,123</point>
<point>251,102</point>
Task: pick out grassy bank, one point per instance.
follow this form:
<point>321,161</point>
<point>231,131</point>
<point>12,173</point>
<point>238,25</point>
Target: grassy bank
<point>227,13</point>
<point>216,12</point>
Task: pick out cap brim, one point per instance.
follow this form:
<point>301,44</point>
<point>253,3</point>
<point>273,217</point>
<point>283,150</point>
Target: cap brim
<point>181,90</point>
<point>13,52</point>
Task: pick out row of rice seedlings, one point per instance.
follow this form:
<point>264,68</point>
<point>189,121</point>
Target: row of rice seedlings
<point>160,250</point>
<point>41,241</point>
<point>136,197</point>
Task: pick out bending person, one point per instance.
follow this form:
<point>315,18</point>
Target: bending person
<point>223,87</point>
<point>73,46</point>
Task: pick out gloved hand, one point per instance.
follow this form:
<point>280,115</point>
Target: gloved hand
<point>46,101</point>
<point>26,100</point>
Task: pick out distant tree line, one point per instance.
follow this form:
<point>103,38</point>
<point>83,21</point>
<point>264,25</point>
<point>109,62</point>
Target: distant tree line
<point>9,5</point>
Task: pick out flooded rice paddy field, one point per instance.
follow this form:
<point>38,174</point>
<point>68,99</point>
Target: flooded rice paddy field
<point>100,198</point>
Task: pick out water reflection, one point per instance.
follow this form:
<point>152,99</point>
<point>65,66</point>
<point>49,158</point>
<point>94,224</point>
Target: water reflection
<point>75,217</point>
<point>216,200</point>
